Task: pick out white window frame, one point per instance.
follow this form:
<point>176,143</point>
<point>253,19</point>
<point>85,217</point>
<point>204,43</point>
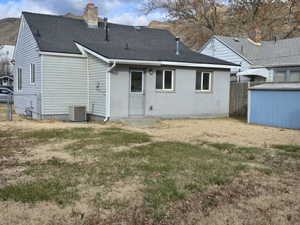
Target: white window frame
<point>210,82</point>
<point>163,80</point>
<point>31,73</point>
<point>18,79</point>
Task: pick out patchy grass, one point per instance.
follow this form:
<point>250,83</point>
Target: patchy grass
<point>167,173</point>
<point>41,190</point>
<point>290,151</point>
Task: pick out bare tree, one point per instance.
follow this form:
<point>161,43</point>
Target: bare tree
<point>204,13</point>
<point>5,65</point>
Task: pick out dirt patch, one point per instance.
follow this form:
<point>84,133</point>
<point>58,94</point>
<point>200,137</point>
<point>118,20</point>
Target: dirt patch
<point>222,131</point>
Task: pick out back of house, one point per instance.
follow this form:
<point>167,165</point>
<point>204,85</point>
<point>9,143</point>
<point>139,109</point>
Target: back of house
<point>114,71</point>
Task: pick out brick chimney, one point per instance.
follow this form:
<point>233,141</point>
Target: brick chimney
<point>91,15</point>
<point>256,34</point>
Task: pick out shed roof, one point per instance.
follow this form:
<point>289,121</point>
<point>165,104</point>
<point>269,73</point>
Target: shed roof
<point>267,53</point>
<point>59,34</point>
<point>278,86</point>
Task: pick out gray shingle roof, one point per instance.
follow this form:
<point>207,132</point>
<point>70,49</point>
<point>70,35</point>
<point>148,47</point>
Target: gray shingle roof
<point>277,86</point>
<point>58,34</point>
<point>280,52</point>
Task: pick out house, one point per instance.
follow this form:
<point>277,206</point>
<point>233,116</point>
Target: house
<point>115,71</point>
<point>6,69</point>
<point>277,60</point>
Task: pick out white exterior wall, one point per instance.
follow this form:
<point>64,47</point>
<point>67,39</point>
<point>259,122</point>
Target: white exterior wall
<point>183,102</point>
<point>64,84</point>
<point>27,52</point>
<point>217,49</point>
<point>97,86</point>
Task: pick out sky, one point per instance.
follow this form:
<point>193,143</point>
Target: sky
<point>117,11</point>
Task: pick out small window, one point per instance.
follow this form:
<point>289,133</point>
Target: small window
<point>165,80</point>
<point>19,86</point>
<point>203,81</point>
<point>32,73</point>
<point>137,81</point>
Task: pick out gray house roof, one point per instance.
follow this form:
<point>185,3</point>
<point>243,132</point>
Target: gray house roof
<point>59,34</point>
<point>269,53</point>
<point>277,86</point>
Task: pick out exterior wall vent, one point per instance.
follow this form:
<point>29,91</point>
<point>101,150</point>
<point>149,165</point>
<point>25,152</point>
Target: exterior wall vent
<point>77,113</point>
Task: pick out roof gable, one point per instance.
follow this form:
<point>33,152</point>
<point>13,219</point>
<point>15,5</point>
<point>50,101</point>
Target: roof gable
<point>59,34</point>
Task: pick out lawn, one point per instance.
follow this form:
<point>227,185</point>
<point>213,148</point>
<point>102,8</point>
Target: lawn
<point>113,174</point>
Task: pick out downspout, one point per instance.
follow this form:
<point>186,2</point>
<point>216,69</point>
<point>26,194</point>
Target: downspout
<point>108,78</point>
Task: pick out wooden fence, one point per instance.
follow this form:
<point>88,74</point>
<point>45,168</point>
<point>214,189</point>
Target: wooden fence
<point>238,106</point>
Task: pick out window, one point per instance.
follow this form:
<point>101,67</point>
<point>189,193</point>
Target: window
<point>280,76</point>
<point>137,81</point>
<point>203,81</point>
<point>165,80</point>
<point>19,79</point>
<point>32,73</point>
<point>294,76</point>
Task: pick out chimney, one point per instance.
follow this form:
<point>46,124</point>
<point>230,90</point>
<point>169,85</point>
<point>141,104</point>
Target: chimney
<point>256,35</point>
<point>177,45</point>
<point>106,28</point>
<point>91,15</point>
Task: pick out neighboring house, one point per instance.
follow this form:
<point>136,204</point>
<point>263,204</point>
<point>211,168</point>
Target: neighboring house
<point>277,60</point>
<point>116,71</point>
<point>6,71</point>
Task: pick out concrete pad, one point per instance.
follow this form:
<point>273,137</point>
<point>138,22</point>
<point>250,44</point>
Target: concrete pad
<point>141,122</point>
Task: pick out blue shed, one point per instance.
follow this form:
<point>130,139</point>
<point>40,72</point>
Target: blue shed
<point>275,104</point>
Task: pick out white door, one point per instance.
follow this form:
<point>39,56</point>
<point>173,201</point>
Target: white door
<point>136,93</point>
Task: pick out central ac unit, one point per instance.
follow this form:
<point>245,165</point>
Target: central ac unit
<point>77,113</point>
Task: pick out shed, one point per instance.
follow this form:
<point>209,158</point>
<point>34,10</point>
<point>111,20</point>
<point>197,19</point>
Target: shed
<point>275,104</point>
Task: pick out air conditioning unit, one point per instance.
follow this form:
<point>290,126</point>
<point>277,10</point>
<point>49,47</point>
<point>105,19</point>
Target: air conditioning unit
<point>77,113</point>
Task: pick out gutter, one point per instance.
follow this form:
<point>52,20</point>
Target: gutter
<point>108,78</point>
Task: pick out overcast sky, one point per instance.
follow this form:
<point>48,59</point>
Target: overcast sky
<point>118,11</point>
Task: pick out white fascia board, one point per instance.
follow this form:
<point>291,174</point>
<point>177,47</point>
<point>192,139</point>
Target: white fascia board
<point>84,50</point>
<point>18,37</point>
<point>61,54</point>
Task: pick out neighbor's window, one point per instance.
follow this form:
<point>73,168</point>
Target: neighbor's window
<point>32,73</point>
<point>19,86</point>
<point>203,81</point>
<point>165,80</point>
<point>294,76</point>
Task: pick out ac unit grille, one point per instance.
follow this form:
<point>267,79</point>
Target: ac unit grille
<point>78,113</point>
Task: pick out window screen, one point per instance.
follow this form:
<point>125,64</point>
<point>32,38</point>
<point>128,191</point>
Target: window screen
<point>206,81</point>
<point>19,79</point>
<point>159,79</point>
<point>198,80</point>
<point>168,79</point>
<point>136,81</point>
<point>32,74</point>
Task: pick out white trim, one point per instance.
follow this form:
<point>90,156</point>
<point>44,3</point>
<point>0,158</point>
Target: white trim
<point>83,51</point>
<point>42,85</point>
<point>18,37</point>
<point>108,94</point>
<point>143,82</point>
<point>163,89</point>
<point>61,54</point>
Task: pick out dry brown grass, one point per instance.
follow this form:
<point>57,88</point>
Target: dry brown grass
<point>267,192</point>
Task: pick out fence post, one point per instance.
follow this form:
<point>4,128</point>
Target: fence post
<point>9,107</point>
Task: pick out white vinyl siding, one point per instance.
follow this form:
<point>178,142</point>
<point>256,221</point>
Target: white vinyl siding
<point>64,83</point>
<point>26,53</point>
<point>217,49</point>
<point>97,86</point>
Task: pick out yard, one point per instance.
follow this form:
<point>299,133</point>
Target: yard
<point>183,171</point>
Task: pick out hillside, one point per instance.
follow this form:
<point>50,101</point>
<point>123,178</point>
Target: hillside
<point>9,28</point>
